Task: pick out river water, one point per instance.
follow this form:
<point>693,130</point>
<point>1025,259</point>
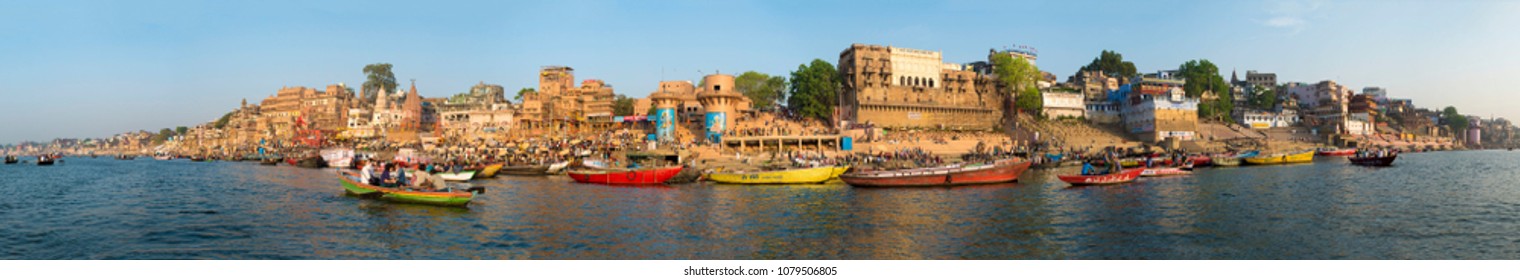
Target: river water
<point>1447,205</point>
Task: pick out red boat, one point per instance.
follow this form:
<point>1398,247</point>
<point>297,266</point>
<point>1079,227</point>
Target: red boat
<point>1164,172</point>
<point>1336,153</point>
<point>1374,161</point>
<point>625,176</point>
<point>1128,175</point>
<point>1201,160</point>
<point>1001,171</point>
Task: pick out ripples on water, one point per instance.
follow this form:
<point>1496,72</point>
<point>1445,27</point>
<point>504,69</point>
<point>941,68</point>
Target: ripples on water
<point>1430,206</point>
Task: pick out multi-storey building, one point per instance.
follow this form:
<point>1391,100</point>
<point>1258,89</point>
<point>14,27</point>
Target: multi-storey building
<point>559,100</point>
<point>902,88</point>
<point>1063,104</point>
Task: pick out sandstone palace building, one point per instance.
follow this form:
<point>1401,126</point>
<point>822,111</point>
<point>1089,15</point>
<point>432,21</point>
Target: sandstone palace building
<point>900,88</point>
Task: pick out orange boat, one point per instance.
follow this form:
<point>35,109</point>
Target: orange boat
<point>625,176</point>
<point>1001,171</point>
<point>1125,176</point>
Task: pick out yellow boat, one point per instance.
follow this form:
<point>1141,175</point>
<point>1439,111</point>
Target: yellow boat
<point>1306,156</point>
<point>1130,163</point>
<point>839,170</point>
<point>488,171</point>
<point>790,176</point>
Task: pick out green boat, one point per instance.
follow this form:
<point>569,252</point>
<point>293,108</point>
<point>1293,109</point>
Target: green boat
<point>448,198</point>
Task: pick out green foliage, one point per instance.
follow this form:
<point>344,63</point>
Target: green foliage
<point>181,130</point>
<point>1111,63</point>
<point>1018,77</point>
<point>523,91</point>
<point>1202,76</point>
<point>1455,121</point>
<point>377,76</point>
<point>622,106</point>
<point>1030,100</point>
<point>764,90</point>
<point>222,122</point>
<point>163,135</point>
<point>815,89</point>
<point>1263,97</point>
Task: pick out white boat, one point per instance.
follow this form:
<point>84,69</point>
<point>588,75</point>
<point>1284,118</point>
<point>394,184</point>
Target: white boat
<point>456,176</point>
<point>557,167</point>
<point>338,157</point>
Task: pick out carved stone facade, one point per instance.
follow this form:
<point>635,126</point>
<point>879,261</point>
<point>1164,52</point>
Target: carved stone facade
<point>893,88</point>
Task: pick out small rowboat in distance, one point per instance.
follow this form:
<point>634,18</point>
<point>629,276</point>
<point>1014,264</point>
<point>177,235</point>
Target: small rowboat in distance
<point>442,198</point>
<point>11,160</point>
<point>641,176</point>
<point>1124,176</point>
<point>1374,161</point>
<point>791,176</point>
<point>525,170</point>
<point>45,160</point>
<point>488,171</point>
<point>1336,152</point>
<point>1001,171</point>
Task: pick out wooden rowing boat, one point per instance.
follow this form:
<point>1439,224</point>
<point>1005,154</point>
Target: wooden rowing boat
<point>625,176</point>
<point>442,198</point>
<point>1336,152</point>
<point>839,170</point>
<point>1124,176</point>
<point>1374,161</point>
<point>1164,171</point>
<point>488,171</point>
<point>1303,157</point>
<point>791,176</point>
<point>526,170</point>
<point>1001,171</point>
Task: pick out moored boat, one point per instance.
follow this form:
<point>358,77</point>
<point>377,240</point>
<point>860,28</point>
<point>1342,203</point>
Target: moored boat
<point>1336,152</point>
<point>1007,170</point>
<point>269,161</point>
<point>488,171</point>
<point>443,198</point>
<point>1124,176</point>
<point>310,162</point>
<point>791,176</point>
<point>839,170</point>
<point>640,176</point>
<point>1225,161</point>
<point>1374,160</point>
<point>1303,157</point>
<point>1164,171</point>
<point>524,170</point>
<point>338,157</point>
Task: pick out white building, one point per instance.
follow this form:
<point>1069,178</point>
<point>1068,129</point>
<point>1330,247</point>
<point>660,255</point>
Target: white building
<point>911,67</point>
<point>1063,105</point>
<point>1102,112</point>
<point>1257,119</point>
<point>1158,117</point>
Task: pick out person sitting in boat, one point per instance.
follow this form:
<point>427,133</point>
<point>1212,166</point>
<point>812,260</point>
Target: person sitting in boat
<point>401,176</point>
<point>367,174</point>
<point>385,176</point>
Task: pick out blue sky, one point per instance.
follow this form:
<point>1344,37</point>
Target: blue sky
<point>95,68</point>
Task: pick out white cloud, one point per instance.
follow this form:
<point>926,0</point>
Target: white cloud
<point>1290,15</point>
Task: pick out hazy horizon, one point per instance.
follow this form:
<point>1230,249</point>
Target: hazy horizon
<point>90,69</point>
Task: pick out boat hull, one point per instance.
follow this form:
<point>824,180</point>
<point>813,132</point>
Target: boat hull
<point>532,170</point>
<point>488,171</point>
<point>626,177</point>
<point>1164,172</point>
<point>1337,153</point>
<point>1374,161</point>
<point>998,172</point>
<point>1303,157</point>
<point>1225,161</point>
<point>795,176</point>
<point>457,199</point>
<point>1125,176</point>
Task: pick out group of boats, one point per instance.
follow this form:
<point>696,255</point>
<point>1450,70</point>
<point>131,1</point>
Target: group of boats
<point>47,159</point>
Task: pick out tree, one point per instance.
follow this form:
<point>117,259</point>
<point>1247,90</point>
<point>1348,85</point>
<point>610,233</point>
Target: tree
<point>1019,77</point>
<point>1263,97</point>
<point>814,90</point>
<point>1201,76</point>
<point>622,106</point>
<point>1110,63</point>
<point>377,76</point>
<point>163,135</point>
<point>181,130</point>
<point>764,90</point>
<point>1455,121</point>
<point>523,91</point>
